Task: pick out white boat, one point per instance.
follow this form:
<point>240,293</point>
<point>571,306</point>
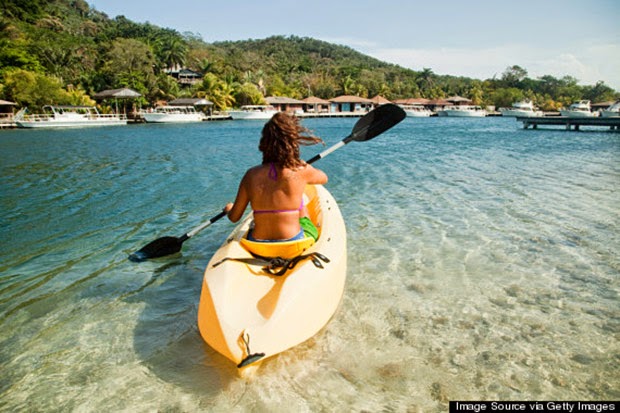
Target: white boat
<point>253,112</point>
<point>611,112</point>
<point>173,114</point>
<point>464,111</point>
<point>67,117</point>
<point>416,111</point>
<point>579,109</point>
<point>524,108</point>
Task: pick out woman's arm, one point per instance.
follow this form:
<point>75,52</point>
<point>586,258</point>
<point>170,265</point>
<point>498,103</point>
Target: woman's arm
<point>315,176</point>
<point>236,210</point>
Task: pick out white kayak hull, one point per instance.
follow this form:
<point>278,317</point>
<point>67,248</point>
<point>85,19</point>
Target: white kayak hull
<point>240,302</point>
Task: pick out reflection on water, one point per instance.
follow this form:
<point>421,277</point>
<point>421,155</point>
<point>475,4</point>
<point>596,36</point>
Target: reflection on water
<point>482,265</point>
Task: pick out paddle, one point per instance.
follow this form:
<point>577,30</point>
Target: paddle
<point>370,125</point>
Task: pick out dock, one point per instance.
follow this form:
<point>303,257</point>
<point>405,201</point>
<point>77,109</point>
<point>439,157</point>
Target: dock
<point>568,123</point>
<point>358,114</point>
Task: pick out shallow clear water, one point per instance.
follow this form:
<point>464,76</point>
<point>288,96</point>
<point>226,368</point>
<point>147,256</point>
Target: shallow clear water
<point>483,264</point>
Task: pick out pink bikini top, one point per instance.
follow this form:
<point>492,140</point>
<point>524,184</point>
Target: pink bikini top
<point>277,211</point>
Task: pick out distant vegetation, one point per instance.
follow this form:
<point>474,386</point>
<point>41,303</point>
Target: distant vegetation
<point>64,51</point>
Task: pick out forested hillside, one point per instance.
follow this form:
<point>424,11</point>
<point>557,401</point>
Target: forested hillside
<point>64,51</point>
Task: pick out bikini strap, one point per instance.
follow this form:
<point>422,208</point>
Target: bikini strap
<point>276,211</point>
<point>273,172</point>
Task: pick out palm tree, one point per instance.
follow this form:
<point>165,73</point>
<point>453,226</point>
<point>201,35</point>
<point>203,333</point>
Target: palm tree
<point>206,65</point>
<point>348,85</point>
<point>257,79</point>
<point>171,51</point>
<point>217,91</point>
<point>425,81</point>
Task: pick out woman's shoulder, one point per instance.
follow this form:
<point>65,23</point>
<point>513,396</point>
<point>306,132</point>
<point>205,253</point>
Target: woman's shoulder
<point>255,170</point>
<point>311,174</point>
<point>299,169</point>
<point>252,174</point>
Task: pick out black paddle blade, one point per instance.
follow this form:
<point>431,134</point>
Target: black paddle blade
<point>159,248</point>
<point>376,122</point>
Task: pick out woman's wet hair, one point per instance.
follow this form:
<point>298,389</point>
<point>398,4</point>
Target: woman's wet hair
<point>281,138</point>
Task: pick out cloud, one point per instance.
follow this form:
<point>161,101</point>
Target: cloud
<point>588,64</point>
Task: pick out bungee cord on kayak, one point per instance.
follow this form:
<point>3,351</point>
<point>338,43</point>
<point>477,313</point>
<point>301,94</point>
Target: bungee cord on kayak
<point>279,266</point>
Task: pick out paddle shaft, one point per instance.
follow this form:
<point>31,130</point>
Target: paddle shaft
<point>327,151</point>
<point>203,226</point>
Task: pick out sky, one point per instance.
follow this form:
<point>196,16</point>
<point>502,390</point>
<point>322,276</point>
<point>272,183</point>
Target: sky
<point>474,38</point>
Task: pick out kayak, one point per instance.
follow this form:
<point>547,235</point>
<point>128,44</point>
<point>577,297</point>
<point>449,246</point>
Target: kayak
<point>254,306</point>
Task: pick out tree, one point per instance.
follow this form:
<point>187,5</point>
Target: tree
<point>130,63</point>
<point>27,10</point>
<point>217,91</point>
<point>505,97</point>
<point>33,90</point>
<point>14,56</point>
<point>78,97</point>
<point>513,75</point>
<point>166,87</point>
<point>425,81</point>
<point>348,85</point>
<point>257,79</point>
<point>248,94</point>
<point>476,94</point>
<point>171,50</point>
<point>279,87</point>
<point>599,93</point>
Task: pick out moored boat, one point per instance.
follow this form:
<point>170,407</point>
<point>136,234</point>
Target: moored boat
<point>247,314</point>
<point>416,111</point>
<point>464,111</point>
<point>524,108</point>
<point>173,114</point>
<point>249,112</point>
<point>67,117</point>
<point>580,109</point>
<point>611,112</point>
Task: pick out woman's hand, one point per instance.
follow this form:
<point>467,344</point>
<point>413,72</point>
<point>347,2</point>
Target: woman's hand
<point>228,207</point>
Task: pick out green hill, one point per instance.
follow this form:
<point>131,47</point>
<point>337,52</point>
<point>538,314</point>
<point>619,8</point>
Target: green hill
<point>64,51</point>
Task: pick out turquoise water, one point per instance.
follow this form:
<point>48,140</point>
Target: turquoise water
<point>483,264</point>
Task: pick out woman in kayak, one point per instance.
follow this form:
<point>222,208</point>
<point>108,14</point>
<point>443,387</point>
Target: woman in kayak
<point>275,188</point>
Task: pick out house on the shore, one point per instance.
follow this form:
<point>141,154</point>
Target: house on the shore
<point>347,103</point>
<point>459,100</point>
<point>184,76</point>
<point>412,101</point>
<point>284,104</point>
<point>312,104</point>
<point>437,105</point>
<point>6,111</point>
<point>379,100</point>
<point>6,107</point>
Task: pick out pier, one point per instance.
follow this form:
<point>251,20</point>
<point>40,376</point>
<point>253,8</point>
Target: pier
<point>568,123</point>
<point>358,114</point>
